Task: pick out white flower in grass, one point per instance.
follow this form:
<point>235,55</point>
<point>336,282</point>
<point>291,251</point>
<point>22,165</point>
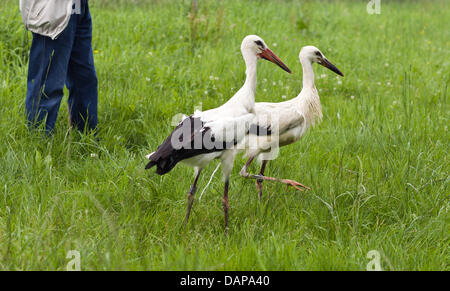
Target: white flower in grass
<point>388,83</point>
<point>93,155</point>
<point>323,76</point>
<point>274,83</point>
<point>150,53</point>
<point>199,56</point>
<point>148,79</point>
<point>206,92</point>
<point>275,44</point>
<point>379,83</point>
<point>386,65</point>
<point>352,97</point>
<point>265,90</point>
<point>265,80</point>
<point>334,88</point>
<point>284,96</point>
<point>216,78</point>
<point>180,37</point>
<point>320,89</point>
<point>338,116</point>
<point>211,77</point>
<point>339,82</point>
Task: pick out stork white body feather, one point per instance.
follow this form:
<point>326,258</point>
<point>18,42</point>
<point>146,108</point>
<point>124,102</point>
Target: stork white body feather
<point>287,120</point>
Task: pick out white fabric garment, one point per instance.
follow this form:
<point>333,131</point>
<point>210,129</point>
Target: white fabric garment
<point>47,17</point>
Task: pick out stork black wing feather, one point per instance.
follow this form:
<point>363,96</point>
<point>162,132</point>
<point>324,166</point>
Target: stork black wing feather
<point>167,155</point>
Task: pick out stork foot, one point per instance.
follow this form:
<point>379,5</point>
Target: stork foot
<point>260,178</point>
<point>295,184</point>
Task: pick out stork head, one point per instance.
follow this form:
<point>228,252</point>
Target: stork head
<point>254,45</point>
<point>314,55</point>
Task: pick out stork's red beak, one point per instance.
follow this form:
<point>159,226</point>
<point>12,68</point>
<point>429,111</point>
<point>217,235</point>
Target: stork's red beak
<point>267,54</point>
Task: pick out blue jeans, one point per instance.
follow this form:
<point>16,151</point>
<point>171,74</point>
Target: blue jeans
<point>67,60</point>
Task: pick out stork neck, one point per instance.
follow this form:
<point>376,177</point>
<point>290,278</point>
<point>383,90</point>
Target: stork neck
<point>308,73</point>
<point>245,97</point>
<point>309,99</point>
<point>250,72</point>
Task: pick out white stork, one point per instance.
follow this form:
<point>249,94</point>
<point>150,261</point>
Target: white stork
<point>213,134</point>
<point>287,120</point>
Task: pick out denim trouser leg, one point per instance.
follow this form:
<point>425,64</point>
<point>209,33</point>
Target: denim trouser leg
<point>82,77</point>
<point>47,71</point>
<point>66,60</point>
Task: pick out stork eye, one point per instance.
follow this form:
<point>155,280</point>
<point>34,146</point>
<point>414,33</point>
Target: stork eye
<point>318,54</point>
<point>259,43</point>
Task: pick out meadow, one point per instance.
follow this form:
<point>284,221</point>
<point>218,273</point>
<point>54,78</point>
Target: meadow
<point>377,165</point>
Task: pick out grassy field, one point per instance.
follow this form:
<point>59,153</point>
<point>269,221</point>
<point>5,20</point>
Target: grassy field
<point>377,165</point>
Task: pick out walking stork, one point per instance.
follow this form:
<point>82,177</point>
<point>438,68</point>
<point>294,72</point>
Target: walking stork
<point>204,136</point>
<point>287,120</point>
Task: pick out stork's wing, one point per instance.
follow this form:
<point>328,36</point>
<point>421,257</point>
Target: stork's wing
<point>276,117</point>
<point>193,137</point>
<point>231,129</point>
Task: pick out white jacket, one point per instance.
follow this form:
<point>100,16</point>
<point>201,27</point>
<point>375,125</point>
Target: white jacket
<point>46,17</point>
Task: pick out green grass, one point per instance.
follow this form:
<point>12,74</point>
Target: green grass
<point>377,164</point>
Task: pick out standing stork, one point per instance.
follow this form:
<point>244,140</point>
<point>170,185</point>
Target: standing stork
<point>204,136</point>
<point>287,120</point>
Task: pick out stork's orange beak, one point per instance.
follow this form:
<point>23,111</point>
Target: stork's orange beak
<point>269,55</point>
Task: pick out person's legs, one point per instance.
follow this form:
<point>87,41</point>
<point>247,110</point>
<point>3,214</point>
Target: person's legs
<point>81,75</point>
<point>47,70</point>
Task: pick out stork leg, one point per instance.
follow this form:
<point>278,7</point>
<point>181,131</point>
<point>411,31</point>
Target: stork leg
<point>261,177</point>
<point>190,198</point>
<point>243,171</point>
<point>225,205</point>
<point>259,181</point>
<point>227,159</point>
